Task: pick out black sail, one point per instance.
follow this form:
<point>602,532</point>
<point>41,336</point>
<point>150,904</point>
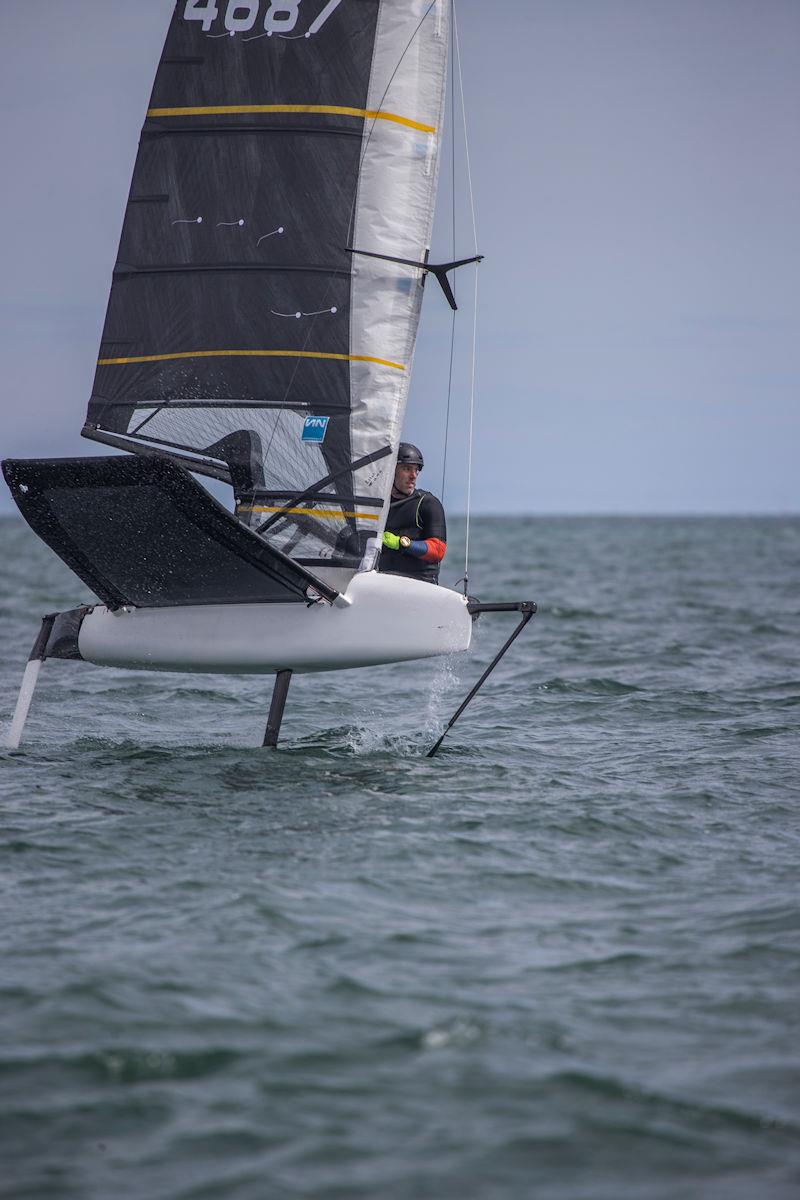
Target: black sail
<point>231,330</point>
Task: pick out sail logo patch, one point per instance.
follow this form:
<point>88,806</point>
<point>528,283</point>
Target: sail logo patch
<point>314,429</point>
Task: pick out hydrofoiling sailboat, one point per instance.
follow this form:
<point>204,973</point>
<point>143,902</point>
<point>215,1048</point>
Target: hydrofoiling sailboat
<point>260,331</point>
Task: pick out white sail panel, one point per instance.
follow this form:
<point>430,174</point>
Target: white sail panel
<point>394,216</point>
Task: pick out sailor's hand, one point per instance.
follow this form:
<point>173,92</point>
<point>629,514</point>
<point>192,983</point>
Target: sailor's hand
<point>391,540</point>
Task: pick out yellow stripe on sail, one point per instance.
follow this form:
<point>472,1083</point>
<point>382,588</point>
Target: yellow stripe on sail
<point>145,358</point>
<point>342,110</point>
<point>310,512</point>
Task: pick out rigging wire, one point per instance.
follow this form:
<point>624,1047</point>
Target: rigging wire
<point>475,299</point>
<point>453,221</point>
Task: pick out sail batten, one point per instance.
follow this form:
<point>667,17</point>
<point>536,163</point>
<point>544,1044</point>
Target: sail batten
<point>238,318</point>
<point>340,110</point>
<point>108,362</point>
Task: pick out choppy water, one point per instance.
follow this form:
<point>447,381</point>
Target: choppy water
<point>559,961</point>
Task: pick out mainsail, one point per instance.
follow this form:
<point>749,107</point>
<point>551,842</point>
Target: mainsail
<point>243,327</point>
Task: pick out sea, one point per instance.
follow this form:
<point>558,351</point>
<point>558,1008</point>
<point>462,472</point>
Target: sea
<point>558,961</point>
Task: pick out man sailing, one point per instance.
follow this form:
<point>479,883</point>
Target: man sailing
<point>415,541</point>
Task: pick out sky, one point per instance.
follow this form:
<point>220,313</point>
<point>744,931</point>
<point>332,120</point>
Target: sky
<point>636,181</point>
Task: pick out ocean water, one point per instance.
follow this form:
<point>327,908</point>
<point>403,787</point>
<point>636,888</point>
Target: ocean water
<point>560,961</point>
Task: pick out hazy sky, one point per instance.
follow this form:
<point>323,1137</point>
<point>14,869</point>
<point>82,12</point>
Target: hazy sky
<point>637,187</point>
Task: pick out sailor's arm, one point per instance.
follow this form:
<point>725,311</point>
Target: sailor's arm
<point>430,550</point>
<point>433,543</point>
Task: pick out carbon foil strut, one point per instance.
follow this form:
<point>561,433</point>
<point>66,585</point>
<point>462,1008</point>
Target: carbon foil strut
<point>279,694</point>
<point>35,659</point>
<point>475,607</point>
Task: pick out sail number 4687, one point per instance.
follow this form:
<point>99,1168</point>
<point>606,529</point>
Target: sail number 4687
<point>241,15</point>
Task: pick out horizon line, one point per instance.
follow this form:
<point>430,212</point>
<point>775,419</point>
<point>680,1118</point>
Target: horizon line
<point>583,514</point>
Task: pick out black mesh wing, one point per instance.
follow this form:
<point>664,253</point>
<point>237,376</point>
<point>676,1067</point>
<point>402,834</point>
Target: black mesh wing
<point>142,531</point>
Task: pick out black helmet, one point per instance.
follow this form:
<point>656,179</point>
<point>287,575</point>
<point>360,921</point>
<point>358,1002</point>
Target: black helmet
<point>410,455</point>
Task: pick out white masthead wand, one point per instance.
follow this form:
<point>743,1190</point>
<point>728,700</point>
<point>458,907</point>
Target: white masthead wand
<point>475,607</point>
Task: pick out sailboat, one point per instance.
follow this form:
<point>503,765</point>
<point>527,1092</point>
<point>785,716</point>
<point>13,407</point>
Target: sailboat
<point>260,332</point>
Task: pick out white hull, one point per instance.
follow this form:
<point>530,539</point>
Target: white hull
<point>387,618</point>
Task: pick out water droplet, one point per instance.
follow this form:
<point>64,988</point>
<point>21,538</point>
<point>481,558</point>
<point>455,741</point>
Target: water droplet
<point>435,1038</point>
<point>298,315</point>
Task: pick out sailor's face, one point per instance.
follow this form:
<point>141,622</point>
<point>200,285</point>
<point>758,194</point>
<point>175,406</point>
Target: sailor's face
<point>405,478</point>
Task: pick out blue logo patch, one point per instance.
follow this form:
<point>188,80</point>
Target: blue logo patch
<point>314,429</point>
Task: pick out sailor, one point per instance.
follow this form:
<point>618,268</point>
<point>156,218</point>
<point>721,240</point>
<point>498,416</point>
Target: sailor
<point>415,540</point>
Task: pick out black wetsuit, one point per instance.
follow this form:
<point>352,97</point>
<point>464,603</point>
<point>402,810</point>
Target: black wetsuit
<point>420,517</point>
